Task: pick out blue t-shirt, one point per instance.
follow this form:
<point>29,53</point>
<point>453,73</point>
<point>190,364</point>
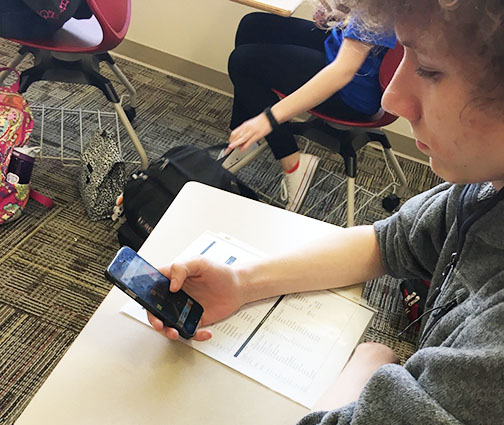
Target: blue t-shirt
<point>363,93</point>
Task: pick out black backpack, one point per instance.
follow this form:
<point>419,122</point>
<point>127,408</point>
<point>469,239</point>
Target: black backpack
<point>149,193</point>
<point>38,19</point>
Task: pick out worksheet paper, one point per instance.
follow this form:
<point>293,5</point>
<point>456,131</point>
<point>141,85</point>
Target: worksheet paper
<point>295,344</point>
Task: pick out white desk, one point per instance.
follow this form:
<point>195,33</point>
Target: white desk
<point>278,7</point>
<point>118,371</point>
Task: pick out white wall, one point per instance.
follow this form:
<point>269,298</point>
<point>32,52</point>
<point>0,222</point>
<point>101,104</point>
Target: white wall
<point>200,31</point>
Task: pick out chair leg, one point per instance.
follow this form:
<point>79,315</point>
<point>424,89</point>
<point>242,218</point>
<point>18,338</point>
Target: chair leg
<point>350,201</point>
<point>398,170</point>
<point>13,64</point>
<point>131,90</point>
<point>131,133</point>
<point>249,157</point>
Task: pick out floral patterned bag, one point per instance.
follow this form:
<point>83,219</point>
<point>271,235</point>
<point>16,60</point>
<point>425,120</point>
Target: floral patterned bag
<point>16,125</point>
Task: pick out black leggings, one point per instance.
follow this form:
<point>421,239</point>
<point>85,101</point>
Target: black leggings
<point>281,53</point>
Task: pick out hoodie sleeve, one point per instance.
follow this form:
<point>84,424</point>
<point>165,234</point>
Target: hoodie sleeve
<point>411,240</point>
<point>393,397</point>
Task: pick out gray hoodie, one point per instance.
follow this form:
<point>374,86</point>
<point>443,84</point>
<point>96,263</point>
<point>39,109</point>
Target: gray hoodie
<point>457,374</point>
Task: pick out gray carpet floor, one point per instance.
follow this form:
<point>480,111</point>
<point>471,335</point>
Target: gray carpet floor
<point>53,260</point>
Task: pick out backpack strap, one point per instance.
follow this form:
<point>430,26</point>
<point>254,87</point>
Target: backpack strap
<point>218,147</point>
<point>41,199</point>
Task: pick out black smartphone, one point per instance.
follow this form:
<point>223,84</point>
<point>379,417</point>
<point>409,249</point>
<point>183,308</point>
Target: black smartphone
<point>147,286</point>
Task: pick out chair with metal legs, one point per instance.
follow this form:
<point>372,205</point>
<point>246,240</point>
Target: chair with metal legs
<point>74,54</point>
<point>347,137</point>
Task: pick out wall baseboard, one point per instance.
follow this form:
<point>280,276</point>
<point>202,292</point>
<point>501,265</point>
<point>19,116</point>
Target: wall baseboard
<point>219,81</point>
<point>174,65</point>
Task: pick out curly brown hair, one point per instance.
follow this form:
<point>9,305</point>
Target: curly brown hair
<point>473,29</point>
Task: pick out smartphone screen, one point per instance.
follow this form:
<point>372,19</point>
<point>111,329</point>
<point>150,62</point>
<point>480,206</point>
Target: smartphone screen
<point>151,289</point>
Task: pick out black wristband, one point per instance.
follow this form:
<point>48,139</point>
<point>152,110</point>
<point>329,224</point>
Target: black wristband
<point>271,118</point>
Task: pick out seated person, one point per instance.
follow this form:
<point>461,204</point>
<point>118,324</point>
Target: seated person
<point>450,87</point>
<point>336,70</point>
<point>38,19</point>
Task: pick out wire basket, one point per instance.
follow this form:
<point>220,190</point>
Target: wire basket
<point>62,133</point>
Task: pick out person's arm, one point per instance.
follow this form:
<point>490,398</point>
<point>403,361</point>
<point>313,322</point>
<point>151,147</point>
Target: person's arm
<point>458,382</point>
<point>347,257</point>
<point>323,85</point>
<point>328,81</point>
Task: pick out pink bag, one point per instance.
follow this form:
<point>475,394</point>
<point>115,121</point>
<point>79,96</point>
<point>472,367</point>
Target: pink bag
<point>16,125</point>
